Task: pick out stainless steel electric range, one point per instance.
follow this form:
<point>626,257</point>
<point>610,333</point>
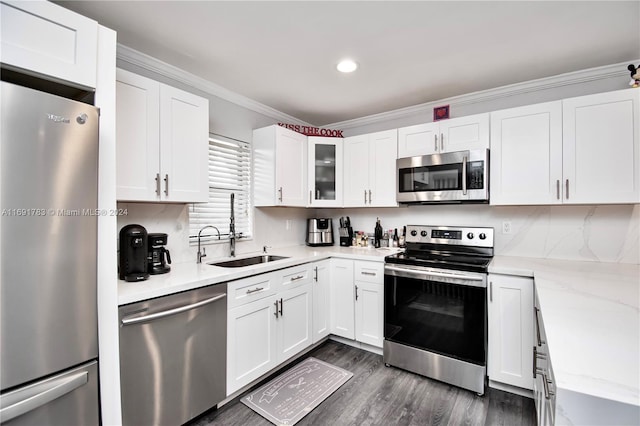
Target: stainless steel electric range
<point>435,304</point>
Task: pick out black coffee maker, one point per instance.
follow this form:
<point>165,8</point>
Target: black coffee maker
<point>133,253</point>
<point>157,262</point>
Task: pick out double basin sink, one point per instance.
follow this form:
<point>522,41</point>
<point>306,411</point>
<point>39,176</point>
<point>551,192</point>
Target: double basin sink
<point>248,261</point>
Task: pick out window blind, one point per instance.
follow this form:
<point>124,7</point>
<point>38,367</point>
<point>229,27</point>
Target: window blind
<point>229,172</point>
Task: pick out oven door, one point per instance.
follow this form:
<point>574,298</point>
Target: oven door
<point>451,177</point>
<point>436,310</point>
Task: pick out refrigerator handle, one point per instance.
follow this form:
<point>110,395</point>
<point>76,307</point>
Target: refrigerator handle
<point>53,390</point>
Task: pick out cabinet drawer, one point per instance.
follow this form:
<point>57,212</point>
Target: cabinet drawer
<point>371,272</point>
<point>295,276</point>
<point>252,288</point>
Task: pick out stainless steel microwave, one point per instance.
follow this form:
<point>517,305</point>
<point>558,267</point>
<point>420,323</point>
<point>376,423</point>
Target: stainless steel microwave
<point>452,177</point>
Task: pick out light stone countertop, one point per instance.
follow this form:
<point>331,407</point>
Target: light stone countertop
<point>591,315</point>
<point>190,275</point>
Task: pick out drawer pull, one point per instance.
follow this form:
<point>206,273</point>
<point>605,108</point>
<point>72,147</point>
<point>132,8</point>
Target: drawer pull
<point>546,382</point>
<point>254,290</point>
<point>373,274</point>
<point>299,277</point>
<point>539,338</point>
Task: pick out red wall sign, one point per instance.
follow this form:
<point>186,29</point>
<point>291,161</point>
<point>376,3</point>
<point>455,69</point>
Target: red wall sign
<point>312,131</point>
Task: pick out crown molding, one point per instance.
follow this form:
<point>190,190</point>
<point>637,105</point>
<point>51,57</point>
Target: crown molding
<point>152,64</point>
<point>575,77</point>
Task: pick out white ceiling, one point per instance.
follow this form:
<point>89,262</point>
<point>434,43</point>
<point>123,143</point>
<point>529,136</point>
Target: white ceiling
<point>283,54</point>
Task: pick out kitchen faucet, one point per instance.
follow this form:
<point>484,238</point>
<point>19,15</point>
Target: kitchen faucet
<point>203,253</point>
<point>232,229</point>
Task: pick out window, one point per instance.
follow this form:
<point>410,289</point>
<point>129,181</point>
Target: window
<point>229,172</point>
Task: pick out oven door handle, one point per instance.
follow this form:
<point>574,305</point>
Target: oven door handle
<point>474,281</point>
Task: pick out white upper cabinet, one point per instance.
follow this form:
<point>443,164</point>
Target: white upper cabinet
<point>45,39</point>
<point>280,167</point>
<point>583,150</point>
<point>526,155</point>
<point>370,170</point>
<point>456,134</point>
<point>161,142</point>
<point>601,148</point>
<point>325,172</point>
<point>421,139</point>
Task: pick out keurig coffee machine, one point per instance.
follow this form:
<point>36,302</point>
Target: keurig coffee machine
<point>159,257</point>
<point>133,253</point>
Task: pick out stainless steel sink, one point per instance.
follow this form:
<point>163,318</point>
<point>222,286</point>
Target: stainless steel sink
<point>247,261</point>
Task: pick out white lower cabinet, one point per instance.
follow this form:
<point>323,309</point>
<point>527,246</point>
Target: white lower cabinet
<point>369,309</point>
<point>251,342</point>
<point>321,300</point>
<point>294,321</point>
<point>357,300</point>
<point>510,357</point>
<point>270,325</point>
<point>342,298</point>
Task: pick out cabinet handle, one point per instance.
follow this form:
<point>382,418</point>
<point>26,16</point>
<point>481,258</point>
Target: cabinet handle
<point>280,194</point>
<point>369,196</point>
<point>166,185</point>
<point>464,175</point>
<point>557,189</point>
<point>441,142</point>
<point>254,290</point>
<point>368,273</point>
<point>356,292</point>
<point>535,361</point>
<point>540,342</point>
<point>365,196</point>
<point>435,143</point>
<point>316,277</point>
<point>546,382</point>
<point>299,277</point>
<point>276,312</point>
<point>490,291</point>
<point>158,184</point>
<point>567,189</point>
<point>280,306</point>
<point>309,196</point>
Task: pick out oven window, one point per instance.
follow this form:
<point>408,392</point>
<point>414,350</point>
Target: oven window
<point>448,319</point>
<point>446,177</point>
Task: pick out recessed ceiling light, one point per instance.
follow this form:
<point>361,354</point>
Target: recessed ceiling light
<point>347,65</point>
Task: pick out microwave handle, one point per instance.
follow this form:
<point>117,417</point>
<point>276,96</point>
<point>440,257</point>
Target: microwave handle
<point>464,175</point>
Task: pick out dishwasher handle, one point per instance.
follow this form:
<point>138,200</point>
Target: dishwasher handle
<point>169,312</point>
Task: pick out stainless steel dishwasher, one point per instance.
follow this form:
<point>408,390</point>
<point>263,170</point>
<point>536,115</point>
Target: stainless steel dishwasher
<point>173,353</point>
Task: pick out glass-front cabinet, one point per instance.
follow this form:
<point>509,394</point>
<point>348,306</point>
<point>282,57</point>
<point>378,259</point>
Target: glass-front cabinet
<point>325,172</point>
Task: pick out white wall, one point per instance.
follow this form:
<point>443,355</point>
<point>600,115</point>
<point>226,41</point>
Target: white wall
<point>588,233</point>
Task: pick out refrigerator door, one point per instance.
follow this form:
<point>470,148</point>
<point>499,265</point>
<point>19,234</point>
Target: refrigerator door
<point>48,173</point>
<point>70,398</point>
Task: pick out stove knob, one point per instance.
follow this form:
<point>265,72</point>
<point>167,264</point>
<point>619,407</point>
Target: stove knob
<point>414,233</point>
<point>423,233</point>
<point>482,236</point>
<point>470,235</point>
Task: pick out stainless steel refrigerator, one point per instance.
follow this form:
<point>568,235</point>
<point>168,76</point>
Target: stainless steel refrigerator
<point>48,315</point>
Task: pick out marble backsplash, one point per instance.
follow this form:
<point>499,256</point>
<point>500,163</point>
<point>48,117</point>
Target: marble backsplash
<point>602,233</point>
<point>274,227</point>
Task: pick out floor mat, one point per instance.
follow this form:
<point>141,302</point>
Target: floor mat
<point>295,393</point>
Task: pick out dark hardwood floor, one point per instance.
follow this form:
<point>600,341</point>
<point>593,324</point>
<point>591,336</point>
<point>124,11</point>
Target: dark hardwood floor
<point>379,395</point>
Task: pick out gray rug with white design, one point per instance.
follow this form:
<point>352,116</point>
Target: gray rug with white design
<point>296,392</point>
